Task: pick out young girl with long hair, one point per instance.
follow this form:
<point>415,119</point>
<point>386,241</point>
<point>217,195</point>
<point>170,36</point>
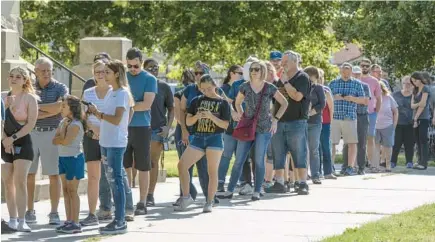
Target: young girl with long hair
<point>68,138</point>
<point>16,148</point>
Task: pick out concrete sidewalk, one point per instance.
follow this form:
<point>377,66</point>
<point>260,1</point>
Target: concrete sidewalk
<point>328,210</point>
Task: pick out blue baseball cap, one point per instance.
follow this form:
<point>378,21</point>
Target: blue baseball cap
<point>275,55</point>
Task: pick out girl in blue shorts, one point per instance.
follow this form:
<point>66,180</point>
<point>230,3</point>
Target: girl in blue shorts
<point>68,138</point>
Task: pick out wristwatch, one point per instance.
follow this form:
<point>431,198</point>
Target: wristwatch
<point>14,136</point>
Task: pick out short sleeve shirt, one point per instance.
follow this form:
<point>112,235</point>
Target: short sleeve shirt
<point>361,108</point>
<point>251,100</point>
<point>404,106</point>
<point>163,100</point>
<point>217,106</point>
<point>417,98</point>
<point>296,110</point>
<point>385,114</point>
<point>345,110</point>
<point>50,94</point>
<point>375,90</point>
<point>140,84</point>
<point>115,135</point>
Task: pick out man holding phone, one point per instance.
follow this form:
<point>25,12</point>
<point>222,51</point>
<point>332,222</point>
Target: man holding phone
<point>348,92</point>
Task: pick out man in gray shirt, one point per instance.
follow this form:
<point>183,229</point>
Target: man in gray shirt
<point>50,91</point>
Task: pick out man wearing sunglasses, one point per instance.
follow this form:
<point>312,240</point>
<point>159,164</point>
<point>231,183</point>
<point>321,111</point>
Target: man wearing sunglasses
<point>374,105</point>
<point>162,116</point>
<point>143,86</point>
<point>101,56</point>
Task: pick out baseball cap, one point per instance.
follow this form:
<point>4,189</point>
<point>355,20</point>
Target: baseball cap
<point>356,70</point>
<point>346,65</point>
<point>275,55</point>
<point>101,55</point>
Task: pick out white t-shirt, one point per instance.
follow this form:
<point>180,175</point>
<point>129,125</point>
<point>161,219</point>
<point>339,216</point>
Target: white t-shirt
<point>115,135</point>
<point>90,95</point>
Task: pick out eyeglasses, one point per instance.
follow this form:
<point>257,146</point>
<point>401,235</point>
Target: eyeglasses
<point>365,66</point>
<point>199,73</point>
<point>153,68</point>
<point>133,66</point>
<point>256,69</point>
<point>240,73</point>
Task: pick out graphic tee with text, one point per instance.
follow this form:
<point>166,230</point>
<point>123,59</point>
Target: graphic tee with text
<point>218,107</point>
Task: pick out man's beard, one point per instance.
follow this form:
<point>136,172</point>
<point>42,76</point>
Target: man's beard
<point>365,72</point>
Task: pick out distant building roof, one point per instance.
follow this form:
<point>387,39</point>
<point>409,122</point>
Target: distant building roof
<point>350,53</point>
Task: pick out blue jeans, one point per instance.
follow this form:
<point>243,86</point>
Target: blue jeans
<point>243,147</point>
<point>290,137</point>
<point>180,150</point>
<point>117,178</point>
<point>314,131</point>
<point>325,149</point>
<point>230,146</point>
<point>105,193</point>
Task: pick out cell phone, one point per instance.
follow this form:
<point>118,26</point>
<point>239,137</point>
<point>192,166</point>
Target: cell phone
<point>17,150</point>
<point>86,103</point>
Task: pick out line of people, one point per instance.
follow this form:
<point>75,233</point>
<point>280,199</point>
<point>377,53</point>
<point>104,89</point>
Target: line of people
<point>279,120</point>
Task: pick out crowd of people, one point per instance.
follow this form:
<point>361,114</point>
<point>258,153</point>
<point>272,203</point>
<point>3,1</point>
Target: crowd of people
<point>281,122</point>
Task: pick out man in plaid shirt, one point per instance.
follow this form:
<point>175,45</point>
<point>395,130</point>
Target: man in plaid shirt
<point>348,93</point>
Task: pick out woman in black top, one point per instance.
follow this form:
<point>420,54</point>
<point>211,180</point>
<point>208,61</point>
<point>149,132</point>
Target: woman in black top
<point>209,114</point>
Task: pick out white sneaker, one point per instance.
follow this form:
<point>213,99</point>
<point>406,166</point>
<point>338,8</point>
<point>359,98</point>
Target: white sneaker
<point>13,223</point>
<point>184,203</point>
<point>23,227</point>
<point>246,190</point>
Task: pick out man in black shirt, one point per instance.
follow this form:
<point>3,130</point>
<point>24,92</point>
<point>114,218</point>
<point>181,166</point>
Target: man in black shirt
<point>291,135</point>
<point>162,116</point>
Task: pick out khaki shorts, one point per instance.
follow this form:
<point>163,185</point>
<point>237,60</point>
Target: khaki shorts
<point>346,129</point>
<point>44,150</point>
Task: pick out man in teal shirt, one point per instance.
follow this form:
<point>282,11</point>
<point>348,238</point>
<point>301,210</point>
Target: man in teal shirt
<point>143,86</point>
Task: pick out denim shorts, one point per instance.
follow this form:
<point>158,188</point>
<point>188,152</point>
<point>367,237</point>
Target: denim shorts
<point>72,167</point>
<point>372,124</point>
<point>207,141</point>
<point>155,137</point>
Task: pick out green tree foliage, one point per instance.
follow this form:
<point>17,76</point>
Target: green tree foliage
<point>214,32</point>
<point>400,34</point>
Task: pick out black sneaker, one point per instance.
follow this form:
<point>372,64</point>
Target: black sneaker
<point>216,200</point>
<point>6,229</point>
<point>141,209</point>
<point>227,195</point>
<point>150,200</point>
<point>297,185</point>
<point>89,221</point>
<point>276,188</point>
<point>71,228</point>
<point>113,228</point>
<point>303,189</point>
<point>221,187</point>
<point>361,172</point>
<point>317,181</point>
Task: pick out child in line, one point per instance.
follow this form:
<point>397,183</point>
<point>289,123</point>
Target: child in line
<point>68,138</point>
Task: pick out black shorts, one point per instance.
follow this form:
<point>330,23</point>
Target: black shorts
<point>26,150</point>
<point>92,149</point>
<point>138,148</point>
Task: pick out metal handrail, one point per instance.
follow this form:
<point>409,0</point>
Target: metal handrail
<point>49,57</point>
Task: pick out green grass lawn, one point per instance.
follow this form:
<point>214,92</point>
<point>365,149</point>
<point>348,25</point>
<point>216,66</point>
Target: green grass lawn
<point>171,160</point>
<point>415,225</point>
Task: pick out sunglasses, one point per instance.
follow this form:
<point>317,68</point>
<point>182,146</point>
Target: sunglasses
<point>240,73</point>
<point>152,69</point>
<point>199,73</point>
<point>133,66</point>
<point>256,69</point>
<point>365,66</point>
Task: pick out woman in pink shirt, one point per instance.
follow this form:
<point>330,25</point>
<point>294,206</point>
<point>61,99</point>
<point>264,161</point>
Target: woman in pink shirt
<point>385,126</point>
